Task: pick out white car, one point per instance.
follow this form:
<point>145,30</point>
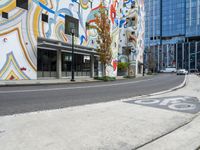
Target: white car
<point>182,72</point>
<point>169,70</point>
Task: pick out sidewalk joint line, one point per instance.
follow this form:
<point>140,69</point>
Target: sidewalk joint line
<point>159,137</point>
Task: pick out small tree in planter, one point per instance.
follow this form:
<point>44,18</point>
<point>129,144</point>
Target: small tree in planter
<point>104,39</point>
<point>122,68</point>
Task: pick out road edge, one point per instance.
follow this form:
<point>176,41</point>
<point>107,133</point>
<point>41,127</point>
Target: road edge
<point>183,84</point>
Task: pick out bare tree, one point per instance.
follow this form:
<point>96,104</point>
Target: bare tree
<point>151,62</point>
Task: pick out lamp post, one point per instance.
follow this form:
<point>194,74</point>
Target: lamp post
<point>72,65</point>
<point>144,62</point>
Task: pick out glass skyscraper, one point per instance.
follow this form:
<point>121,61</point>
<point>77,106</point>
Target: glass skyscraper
<point>172,33</point>
<point>173,14</point>
<point>192,18</point>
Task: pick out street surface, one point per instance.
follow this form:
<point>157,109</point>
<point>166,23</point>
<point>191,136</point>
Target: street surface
<point>168,121</point>
<point>21,99</point>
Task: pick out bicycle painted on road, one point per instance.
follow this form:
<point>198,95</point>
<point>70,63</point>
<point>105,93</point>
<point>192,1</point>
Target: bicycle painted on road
<point>178,103</point>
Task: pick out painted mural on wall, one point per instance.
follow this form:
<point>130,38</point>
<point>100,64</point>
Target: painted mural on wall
<point>19,33</point>
<point>168,56</point>
<point>132,29</point>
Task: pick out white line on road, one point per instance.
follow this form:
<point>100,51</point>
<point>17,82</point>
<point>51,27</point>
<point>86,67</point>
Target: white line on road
<point>71,88</point>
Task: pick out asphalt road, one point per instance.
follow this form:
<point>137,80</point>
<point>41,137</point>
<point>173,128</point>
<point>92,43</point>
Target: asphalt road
<point>14,100</point>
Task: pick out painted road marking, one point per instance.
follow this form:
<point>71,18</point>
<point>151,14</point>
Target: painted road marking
<point>178,103</point>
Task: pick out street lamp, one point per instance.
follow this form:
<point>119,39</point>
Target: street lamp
<point>144,61</point>
<point>72,65</point>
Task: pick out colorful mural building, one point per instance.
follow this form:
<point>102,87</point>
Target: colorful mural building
<point>36,37</point>
<point>131,36</point>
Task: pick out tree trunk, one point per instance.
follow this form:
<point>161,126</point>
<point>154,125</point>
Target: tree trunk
<point>104,70</point>
<point>129,64</point>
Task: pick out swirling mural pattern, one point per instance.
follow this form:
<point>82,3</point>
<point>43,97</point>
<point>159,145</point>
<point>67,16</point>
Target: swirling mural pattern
<point>19,33</point>
<point>132,30</point>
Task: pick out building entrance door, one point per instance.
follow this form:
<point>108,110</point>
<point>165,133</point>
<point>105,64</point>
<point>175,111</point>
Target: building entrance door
<point>46,63</point>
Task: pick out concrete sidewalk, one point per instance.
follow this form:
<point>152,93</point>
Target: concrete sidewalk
<point>47,81</point>
<point>188,136</point>
<point>107,126</point>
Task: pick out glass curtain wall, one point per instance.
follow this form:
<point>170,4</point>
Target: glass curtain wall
<point>173,17</point>
<point>186,56</point>
<point>171,56</point>
<point>180,54</point>
<point>192,55</point>
<point>198,56</point>
<point>192,17</point>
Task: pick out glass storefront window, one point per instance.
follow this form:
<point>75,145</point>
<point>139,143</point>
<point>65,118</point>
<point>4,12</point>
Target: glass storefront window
<point>46,63</point>
<point>82,64</point>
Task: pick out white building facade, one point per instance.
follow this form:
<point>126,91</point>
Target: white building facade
<point>36,41</point>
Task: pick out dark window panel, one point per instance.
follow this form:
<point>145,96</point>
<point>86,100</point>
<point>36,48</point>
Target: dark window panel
<point>71,23</point>
<point>22,4</point>
<point>45,18</point>
<point>5,15</point>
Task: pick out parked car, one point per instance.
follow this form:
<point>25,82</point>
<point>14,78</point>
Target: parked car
<point>181,72</point>
<point>195,71</point>
<point>161,71</point>
<point>168,70</point>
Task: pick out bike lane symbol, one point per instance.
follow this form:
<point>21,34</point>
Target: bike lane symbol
<point>178,103</point>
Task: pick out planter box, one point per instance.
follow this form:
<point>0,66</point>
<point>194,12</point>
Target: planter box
<point>122,73</point>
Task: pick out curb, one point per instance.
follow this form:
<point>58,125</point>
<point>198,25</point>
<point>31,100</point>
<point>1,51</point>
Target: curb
<point>38,83</point>
<point>183,84</point>
<point>172,89</point>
